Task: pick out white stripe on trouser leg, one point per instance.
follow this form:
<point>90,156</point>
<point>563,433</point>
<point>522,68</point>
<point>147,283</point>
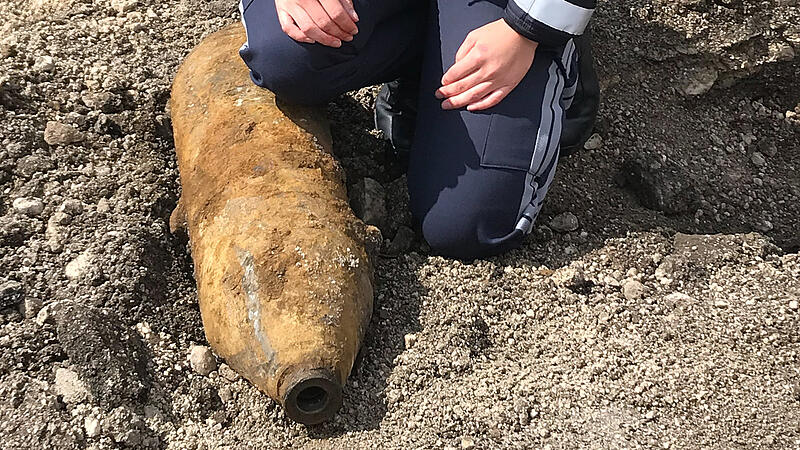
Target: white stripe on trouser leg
<point>546,147</point>
<point>569,66</point>
<point>548,167</point>
<point>544,138</point>
<point>566,57</point>
<point>545,124</point>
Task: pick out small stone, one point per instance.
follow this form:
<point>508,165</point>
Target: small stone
<point>402,240</point>
<point>102,101</point>
<point>152,412</point>
<point>44,64</point>
<point>103,206</point>
<point>29,165</point>
<point>543,233</point>
<point>11,293</point>
<point>765,226</point>
<point>72,207</point>
<point>225,394</point>
<point>467,443</point>
<point>564,222</point>
<point>59,218</point>
<point>666,268</point>
<point>594,142</point>
<point>56,133</point>
<point>793,305</point>
<point>721,304</point>
<point>29,206</point>
<point>30,307</point>
<point>781,51</point>
<point>633,290</point>
<point>758,159</point>
<point>227,373</point>
<point>678,298</point>
<point>79,266</point>
<point>92,426</point>
<point>202,359</point>
<point>699,80</point>
<point>123,6</point>
<point>44,316</point>
<point>7,49</point>
<point>70,387</point>
<point>368,200</point>
<point>568,277</point>
<point>410,339</point>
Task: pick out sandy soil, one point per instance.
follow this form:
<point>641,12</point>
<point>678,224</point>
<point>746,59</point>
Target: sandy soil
<point>668,318</point>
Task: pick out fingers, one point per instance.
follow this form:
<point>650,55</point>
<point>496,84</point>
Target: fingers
<point>472,95</point>
<point>465,47</point>
<point>340,17</point>
<point>351,10</point>
<point>324,22</point>
<point>312,30</point>
<point>328,22</point>
<point>460,86</point>
<point>461,69</point>
<point>489,101</point>
<point>291,29</point>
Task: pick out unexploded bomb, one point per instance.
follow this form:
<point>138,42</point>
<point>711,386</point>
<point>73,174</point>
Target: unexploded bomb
<point>284,282</point>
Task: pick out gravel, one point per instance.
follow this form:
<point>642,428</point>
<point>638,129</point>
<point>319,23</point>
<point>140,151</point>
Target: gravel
<point>663,316</point>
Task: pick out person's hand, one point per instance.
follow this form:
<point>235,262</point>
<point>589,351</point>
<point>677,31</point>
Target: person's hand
<point>328,22</point>
<point>489,64</point>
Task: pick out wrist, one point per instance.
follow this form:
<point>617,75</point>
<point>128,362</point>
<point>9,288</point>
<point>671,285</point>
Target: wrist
<point>523,40</point>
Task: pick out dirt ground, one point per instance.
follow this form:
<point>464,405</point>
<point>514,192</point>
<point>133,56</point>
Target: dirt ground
<point>655,305</point>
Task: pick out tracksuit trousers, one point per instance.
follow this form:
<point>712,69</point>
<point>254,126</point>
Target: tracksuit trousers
<point>476,180</point>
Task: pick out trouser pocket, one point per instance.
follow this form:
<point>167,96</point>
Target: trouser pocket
<point>525,127</point>
<point>510,142</point>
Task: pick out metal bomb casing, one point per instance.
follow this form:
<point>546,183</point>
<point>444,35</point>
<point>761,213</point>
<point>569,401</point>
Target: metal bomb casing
<point>284,282</point>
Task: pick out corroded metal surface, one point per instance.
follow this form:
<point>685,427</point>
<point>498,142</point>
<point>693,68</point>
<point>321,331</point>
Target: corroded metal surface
<point>283,278</point>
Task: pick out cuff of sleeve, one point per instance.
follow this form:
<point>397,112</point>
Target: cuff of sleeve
<point>548,22</point>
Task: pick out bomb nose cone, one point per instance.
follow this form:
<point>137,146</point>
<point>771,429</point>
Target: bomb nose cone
<point>311,396</point>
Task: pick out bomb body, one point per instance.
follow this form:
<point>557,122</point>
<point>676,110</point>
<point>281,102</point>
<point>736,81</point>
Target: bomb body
<point>284,282</point>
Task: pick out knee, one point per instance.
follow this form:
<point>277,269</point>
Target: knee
<point>469,233</point>
<point>281,67</point>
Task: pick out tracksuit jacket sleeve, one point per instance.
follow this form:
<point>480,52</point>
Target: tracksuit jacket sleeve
<point>549,22</point>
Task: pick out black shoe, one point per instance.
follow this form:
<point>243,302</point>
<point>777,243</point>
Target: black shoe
<point>581,115</point>
<point>396,115</point>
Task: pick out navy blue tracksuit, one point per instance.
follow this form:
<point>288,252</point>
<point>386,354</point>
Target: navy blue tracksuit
<point>476,179</point>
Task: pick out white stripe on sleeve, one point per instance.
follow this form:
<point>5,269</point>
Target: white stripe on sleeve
<point>559,14</point>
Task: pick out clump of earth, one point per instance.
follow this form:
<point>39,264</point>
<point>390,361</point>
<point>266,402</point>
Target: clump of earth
<point>654,306</point>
